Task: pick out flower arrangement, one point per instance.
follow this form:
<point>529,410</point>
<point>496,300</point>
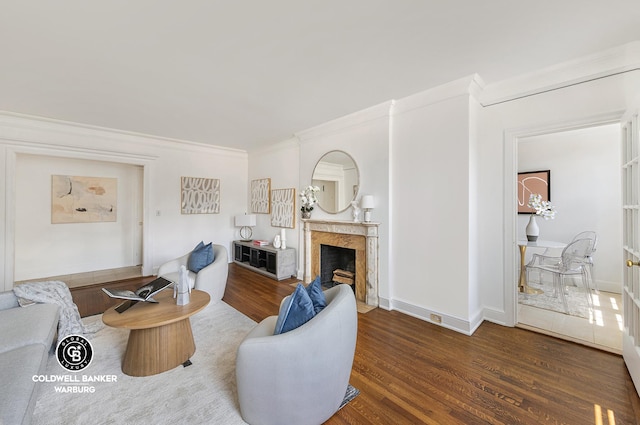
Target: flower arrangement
<point>543,208</point>
<point>308,198</point>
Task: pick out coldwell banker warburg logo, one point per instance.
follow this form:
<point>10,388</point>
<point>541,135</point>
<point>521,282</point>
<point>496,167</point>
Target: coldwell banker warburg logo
<point>74,353</point>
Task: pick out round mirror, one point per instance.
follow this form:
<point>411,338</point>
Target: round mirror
<point>336,174</point>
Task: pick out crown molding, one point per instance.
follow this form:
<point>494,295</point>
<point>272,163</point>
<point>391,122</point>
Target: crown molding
<point>471,85</point>
<point>30,129</point>
<point>382,110</point>
<point>288,144</point>
<point>609,62</point>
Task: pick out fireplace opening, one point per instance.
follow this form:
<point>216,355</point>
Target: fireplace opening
<point>337,265</point>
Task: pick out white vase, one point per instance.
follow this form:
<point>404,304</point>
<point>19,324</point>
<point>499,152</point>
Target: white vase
<point>532,230</point>
<point>276,242</point>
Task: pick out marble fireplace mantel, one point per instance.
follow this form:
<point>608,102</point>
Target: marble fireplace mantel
<point>344,232</point>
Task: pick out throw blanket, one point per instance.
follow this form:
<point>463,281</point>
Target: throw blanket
<point>56,292</point>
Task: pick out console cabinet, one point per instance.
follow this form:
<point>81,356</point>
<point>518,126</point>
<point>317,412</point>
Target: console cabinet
<point>276,263</point>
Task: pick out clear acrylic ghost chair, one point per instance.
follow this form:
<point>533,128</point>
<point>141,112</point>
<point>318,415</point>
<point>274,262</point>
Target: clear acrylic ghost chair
<point>572,263</point>
<point>589,234</point>
<point>548,259</point>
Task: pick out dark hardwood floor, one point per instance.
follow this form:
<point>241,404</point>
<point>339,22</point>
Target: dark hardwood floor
<point>412,372</point>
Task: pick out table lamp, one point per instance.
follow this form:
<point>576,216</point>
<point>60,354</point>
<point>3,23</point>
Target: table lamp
<point>367,203</point>
<point>245,222</point>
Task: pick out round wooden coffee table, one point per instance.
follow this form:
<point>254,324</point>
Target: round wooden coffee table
<point>160,336</point>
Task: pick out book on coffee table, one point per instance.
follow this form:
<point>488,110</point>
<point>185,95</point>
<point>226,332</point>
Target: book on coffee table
<point>144,293</point>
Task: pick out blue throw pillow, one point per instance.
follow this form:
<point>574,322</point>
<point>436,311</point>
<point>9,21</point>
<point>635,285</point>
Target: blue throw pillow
<point>295,311</point>
<point>201,257</point>
<point>317,296</point>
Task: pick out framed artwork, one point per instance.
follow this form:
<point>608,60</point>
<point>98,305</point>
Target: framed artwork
<point>533,182</point>
<point>261,196</point>
<point>77,199</point>
<point>283,202</point>
<point>199,195</point>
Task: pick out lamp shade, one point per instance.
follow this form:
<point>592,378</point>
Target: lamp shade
<point>242,220</point>
<point>367,202</point>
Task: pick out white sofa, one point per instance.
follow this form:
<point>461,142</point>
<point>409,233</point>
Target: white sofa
<point>211,279</point>
<point>301,376</point>
<point>26,338</point>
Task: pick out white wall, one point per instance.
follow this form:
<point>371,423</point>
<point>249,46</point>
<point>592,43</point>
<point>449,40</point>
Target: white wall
<point>432,245</point>
<point>167,232</point>
<point>585,189</point>
<point>44,249</point>
<point>279,163</point>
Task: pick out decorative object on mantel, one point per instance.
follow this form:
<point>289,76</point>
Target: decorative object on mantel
<point>356,211</point>
<point>246,222</point>
<point>308,200</point>
<point>542,208</point>
<point>367,203</point>
<point>261,196</point>
<point>283,207</point>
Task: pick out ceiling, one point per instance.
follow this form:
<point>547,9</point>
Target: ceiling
<point>248,73</point>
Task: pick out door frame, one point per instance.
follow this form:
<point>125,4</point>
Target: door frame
<point>12,152</point>
<point>510,142</point>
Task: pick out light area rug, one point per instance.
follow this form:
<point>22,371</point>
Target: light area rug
<point>576,299</point>
<point>203,393</point>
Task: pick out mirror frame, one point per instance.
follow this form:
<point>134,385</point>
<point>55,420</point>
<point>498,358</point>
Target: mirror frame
<point>355,164</point>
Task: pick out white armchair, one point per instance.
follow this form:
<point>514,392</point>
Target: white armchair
<point>301,376</point>
<point>211,279</point>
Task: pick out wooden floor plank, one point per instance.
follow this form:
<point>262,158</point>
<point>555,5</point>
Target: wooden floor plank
<point>410,371</point>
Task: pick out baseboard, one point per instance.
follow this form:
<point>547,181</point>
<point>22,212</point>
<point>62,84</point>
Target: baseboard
<point>499,317</point>
<point>607,286</point>
<point>384,303</point>
<point>466,327</point>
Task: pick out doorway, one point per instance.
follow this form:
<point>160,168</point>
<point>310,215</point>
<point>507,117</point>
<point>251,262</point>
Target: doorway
<point>79,252</point>
<point>585,188</point>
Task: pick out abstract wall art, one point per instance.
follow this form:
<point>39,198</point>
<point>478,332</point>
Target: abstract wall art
<point>260,196</point>
<point>283,206</point>
<point>77,199</point>
<point>533,182</point>
<point>200,195</point>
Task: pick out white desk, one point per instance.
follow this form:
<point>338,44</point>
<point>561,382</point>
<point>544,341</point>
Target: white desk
<point>523,244</point>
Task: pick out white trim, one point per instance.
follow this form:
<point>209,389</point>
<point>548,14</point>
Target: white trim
<point>9,219</point>
<point>450,322</point>
<point>382,110</point>
<point>27,147</point>
<point>42,130</point>
<point>384,303</point>
<point>494,316</point>
<point>510,143</point>
<point>292,143</point>
<point>631,355</point>
<point>606,63</point>
<point>471,85</point>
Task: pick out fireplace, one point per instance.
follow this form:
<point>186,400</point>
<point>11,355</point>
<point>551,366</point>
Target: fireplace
<point>337,265</point>
<point>359,239</point>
